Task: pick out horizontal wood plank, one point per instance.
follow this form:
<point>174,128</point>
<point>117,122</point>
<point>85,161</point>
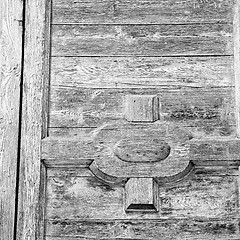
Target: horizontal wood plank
<point>207,111</point>
<point>199,196</point>
<point>75,149</point>
<point>139,11</point>
<point>142,72</point>
<point>142,229</point>
<point>142,40</point>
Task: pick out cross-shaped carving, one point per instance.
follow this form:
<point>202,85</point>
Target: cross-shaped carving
<point>138,156</point>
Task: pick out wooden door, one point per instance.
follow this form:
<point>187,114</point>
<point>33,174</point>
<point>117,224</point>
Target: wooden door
<point>130,120</point>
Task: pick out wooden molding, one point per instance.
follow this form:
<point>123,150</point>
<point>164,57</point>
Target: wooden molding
<point>236,37</point>
<point>108,179</point>
<point>141,195</point>
<point>141,108</point>
<point>34,118</point>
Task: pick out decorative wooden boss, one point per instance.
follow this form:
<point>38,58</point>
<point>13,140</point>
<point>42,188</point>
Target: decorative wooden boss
<point>144,152</point>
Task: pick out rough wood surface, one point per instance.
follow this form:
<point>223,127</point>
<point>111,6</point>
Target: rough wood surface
<point>29,202</point>
<point>142,72</point>
<point>141,195</point>
<point>10,74</point>
<point>206,111</point>
<point>200,196</point>
<point>141,108</point>
<point>236,35</point>
<point>140,229</point>
<point>142,40</point>
<point>139,11</point>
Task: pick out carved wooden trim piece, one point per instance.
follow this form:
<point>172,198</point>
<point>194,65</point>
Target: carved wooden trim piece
<point>141,194</point>
<point>141,108</point>
<point>111,180</point>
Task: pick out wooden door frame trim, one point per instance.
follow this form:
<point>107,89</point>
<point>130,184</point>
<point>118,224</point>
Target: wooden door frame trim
<point>236,39</point>
<point>34,120</point>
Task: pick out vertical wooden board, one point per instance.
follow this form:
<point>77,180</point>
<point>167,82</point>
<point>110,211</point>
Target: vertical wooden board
<point>10,77</point>
<point>29,220</point>
<point>236,35</point>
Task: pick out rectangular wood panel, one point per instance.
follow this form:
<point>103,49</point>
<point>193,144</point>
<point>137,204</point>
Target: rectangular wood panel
<point>141,229</point>
<point>142,72</point>
<point>203,196</point>
<point>206,110</point>
<point>142,40</point>
<point>141,11</point>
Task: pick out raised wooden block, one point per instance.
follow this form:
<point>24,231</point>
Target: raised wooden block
<point>141,108</point>
<point>141,195</point>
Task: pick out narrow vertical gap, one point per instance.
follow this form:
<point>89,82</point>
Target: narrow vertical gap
<point>20,123</point>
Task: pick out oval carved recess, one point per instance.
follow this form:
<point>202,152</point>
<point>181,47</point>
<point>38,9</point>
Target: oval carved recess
<point>142,150</point>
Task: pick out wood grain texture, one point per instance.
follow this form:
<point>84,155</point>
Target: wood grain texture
<point>142,40</point>
<point>29,204</point>
<point>10,78</point>
<point>141,108</point>
<point>140,229</point>
<point>236,27</point>
<point>141,195</point>
<point>207,111</point>
<point>139,11</point>
<point>142,72</point>
<point>200,196</point>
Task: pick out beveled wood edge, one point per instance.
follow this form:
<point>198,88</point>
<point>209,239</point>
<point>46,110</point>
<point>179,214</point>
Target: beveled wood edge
<point>108,179</point>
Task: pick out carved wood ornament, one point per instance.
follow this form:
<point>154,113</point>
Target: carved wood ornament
<point>141,158</point>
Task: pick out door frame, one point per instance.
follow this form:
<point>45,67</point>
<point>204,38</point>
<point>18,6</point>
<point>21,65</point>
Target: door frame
<point>34,120</point>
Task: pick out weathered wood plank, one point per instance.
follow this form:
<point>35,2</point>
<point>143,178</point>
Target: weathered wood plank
<point>199,196</point>
<point>142,229</point>
<point>76,151</point>
<point>212,149</point>
<point>139,11</point>
<point>30,209</point>
<point>236,35</point>
<point>10,78</point>
<point>207,111</point>
<point>142,40</point>
<point>142,72</point>
<point>141,195</point>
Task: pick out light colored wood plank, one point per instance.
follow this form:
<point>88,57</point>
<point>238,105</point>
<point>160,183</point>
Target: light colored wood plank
<point>30,222</point>
<point>141,195</point>
<point>10,78</point>
<point>236,34</point>
<point>142,72</point>
<point>133,229</point>
<point>200,196</point>
<point>141,108</point>
<point>205,111</point>
<point>153,11</point>
<point>142,40</point>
